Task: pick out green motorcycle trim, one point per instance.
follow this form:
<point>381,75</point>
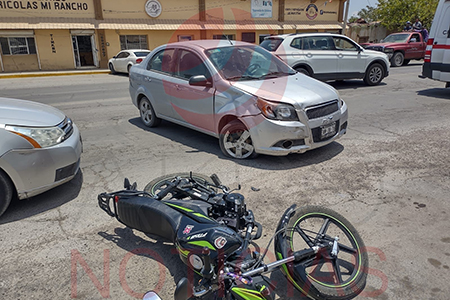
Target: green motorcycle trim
<point>202,244</point>
<point>248,294</point>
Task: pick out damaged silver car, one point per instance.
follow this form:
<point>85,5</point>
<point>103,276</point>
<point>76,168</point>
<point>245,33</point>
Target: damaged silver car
<point>240,93</point>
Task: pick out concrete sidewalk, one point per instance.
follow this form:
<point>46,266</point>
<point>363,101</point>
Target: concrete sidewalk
<point>54,73</point>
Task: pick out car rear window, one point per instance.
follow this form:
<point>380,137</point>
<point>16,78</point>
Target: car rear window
<point>141,54</point>
<point>271,44</point>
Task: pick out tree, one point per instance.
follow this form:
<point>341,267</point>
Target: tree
<point>368,13</point>
<point>394,14</point>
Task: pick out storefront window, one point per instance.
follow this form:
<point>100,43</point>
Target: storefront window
<point>17,45</point>
<point>128,42</point>
<point>223,37</point>
<point>249,37</point>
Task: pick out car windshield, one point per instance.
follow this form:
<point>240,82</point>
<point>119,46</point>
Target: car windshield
<point>141,53</point>
<point>271,44</point>
<point>247,63</point>
<point>396,38</point>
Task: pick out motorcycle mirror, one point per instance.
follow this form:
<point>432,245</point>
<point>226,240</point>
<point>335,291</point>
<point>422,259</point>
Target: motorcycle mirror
<point>216,179</point>
<point>151,296</point>
<point>126,183</point>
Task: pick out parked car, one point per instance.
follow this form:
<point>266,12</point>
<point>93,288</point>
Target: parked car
<point>400,47</point>
<point>240,93</point>
<point>327,56</point>
<point>125,59</point>
<point>437,54</point>
<point>40,149</point>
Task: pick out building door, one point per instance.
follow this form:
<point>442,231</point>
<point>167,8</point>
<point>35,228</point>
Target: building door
<point>84,51</point>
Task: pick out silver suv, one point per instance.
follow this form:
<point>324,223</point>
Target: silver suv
<point>328,56</point>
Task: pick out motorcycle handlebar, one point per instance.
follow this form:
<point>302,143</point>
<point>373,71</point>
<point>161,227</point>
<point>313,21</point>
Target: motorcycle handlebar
<point>168,189</point>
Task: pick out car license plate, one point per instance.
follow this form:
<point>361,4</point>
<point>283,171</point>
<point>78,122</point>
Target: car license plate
<point>328,130</point>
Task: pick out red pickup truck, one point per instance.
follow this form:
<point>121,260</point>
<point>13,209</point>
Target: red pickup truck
<point>401,47</point>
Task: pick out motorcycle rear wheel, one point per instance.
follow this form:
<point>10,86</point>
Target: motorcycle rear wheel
<point>326,276</point>
<point>158,184</point>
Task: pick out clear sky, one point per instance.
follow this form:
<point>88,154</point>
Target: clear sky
<point>357,5</point>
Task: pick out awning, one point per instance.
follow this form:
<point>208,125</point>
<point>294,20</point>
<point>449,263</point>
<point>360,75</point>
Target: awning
<point>160,24</point>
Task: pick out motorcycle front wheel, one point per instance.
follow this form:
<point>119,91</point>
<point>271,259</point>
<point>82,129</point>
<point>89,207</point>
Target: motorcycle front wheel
<point>339,274</point>
<point>158,184</point>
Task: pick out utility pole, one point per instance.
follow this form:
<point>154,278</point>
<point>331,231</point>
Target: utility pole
<point>345,17</point>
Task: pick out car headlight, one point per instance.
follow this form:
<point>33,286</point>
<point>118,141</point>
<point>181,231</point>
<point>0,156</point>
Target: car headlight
<point>277,111</point>
<point>389,52</point>
<point>39,137</point>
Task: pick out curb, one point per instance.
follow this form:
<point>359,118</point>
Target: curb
<point>20,75</point>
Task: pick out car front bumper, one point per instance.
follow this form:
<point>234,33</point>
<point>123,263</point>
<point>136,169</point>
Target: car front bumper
<point>34,171</point>
<point>281,138</point>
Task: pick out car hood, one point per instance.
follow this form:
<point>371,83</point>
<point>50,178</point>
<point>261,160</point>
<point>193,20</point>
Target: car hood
<point>28,113</point>
<point>384,45</point>
<point>299,90</point>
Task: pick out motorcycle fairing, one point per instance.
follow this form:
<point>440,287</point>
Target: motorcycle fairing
<point>259,288</point>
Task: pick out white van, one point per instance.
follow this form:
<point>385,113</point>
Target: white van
<point>437,54</point>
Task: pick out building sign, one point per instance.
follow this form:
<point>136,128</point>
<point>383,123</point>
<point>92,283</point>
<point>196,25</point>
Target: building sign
<point>261,8</point>
<point>311,11</point>
<point>153,8</point>
<point>43,5</point>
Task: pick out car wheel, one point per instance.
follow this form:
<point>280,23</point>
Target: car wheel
<point>7,192</point>
<point>397,59</point>
<point>303,71</point>
<point>405,62</point>
<point>111,68</point>
<point>374,74</point>
<point>129,68</point>
<point>236,142</point>
<point>147,112</point>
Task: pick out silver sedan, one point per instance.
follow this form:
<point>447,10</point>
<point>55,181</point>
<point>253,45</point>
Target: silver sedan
<point>40,149</point>
<point>241,93</point>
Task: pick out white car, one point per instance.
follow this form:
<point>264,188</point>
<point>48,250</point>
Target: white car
<point>328,56</point>
<point>125,59</point>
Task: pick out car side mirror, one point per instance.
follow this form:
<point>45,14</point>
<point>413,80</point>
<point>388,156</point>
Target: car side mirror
<point>199,80</point>
<point>114,56</point>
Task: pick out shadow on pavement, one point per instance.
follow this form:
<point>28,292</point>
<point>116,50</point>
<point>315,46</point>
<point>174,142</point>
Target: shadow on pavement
<point>22,209</point>
<point>351,84</point>
<point>442,93</point>
<point>154,248</point>
<point>205,143</point>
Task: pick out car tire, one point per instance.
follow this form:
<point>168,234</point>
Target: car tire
<point>405,62</point>
<point>6,193</point>
<point>129,68</point>
<point>236,142</point>
<point>374,74</point>
<point>111,68</point>
<point>397,59</point>
<point>147,113</point>
<point>303,71</point>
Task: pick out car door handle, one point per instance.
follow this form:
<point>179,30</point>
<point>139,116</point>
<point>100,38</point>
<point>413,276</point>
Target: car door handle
<point>340,55</point>
<point>309,55</point>
<point>146,78</point>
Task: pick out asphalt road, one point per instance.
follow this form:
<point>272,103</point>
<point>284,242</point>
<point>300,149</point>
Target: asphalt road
<point>389,176</point>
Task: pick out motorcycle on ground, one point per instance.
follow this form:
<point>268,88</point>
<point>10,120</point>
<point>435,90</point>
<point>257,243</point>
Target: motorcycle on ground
<point>318,250</point>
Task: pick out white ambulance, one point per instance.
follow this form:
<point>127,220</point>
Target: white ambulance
<point>437,54</point>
